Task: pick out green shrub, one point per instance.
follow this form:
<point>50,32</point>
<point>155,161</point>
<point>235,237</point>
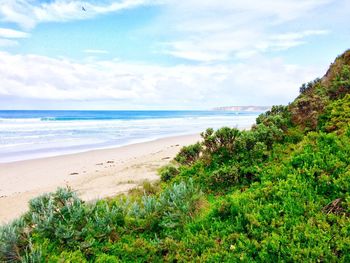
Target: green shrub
<point>223,179</point>
<point>172,209</point>
<point>69,257</point>
<point>150,188</point>
<point>65,219</point>
<point>179,204</point>
<point>59,216</point>
<point>104,258</point>
<point>219,146</point>
<point>14,240</point>
<point>168,172</point>
<point>278,115</point>
<point>189,154</point>
<point>336,116</point>
<point>340,86</point>
<point>269,135</point>
<point>306,88</point>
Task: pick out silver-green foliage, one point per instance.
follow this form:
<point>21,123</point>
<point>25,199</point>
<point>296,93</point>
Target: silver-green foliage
<point>171,209</point>
<point>13,239</point>
<point>63,217</point>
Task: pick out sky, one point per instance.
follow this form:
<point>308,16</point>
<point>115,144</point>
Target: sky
<point>164,54</point>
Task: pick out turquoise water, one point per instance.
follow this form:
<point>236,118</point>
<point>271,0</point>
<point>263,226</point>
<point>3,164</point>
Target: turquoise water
<point>33,134</point>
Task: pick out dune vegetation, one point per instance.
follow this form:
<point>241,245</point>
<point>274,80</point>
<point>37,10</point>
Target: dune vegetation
<point>276,193</point>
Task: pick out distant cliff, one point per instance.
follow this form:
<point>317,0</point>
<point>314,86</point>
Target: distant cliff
<point>243,108</point>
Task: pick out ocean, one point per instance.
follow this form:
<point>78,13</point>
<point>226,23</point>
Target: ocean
<point>35,134</point>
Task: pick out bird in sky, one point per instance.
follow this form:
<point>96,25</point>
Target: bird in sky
<point>83,8</point>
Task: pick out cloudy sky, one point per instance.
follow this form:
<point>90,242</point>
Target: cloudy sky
<point>164,54</point>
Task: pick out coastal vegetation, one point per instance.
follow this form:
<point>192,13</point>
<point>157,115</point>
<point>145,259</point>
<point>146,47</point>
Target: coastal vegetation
<point>276,193</point>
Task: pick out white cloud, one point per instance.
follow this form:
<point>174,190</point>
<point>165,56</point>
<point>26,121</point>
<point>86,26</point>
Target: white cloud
<point>186,86</point>
<point>288,40</point>
<point>8,35</point>
<point>208,30</point>
<point>7,42</point>
<point>227,38</point>
<point>222,46</point>
<point>11,33</point>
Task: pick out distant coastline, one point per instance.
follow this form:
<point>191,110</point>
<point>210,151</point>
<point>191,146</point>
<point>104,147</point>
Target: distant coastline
<point>243,108</point>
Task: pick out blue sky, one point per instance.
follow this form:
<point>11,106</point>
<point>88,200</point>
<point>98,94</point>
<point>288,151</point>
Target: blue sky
<point>164,54</point>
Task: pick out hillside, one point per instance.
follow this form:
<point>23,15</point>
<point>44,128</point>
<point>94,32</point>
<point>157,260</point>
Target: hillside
<point>276,193</point>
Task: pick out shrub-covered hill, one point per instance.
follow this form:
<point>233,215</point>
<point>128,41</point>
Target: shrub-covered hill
<point>276,193</point>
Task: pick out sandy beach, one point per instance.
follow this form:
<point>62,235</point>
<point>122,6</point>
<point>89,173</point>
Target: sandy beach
<point>94,174</point>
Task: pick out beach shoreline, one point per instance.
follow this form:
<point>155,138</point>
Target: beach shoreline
<point>93,174</point>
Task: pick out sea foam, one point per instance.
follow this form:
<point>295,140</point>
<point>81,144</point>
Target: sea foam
<point>27,135</point>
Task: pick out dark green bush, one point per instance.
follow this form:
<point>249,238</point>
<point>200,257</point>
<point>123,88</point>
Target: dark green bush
<point>168,172</point>
<point>340,86</point>
<point>223,179</point>
<point>219,145</point>
<point>336,116</point>
<point>189,154</point>
<point>279,115</point>
<point>305,88</point>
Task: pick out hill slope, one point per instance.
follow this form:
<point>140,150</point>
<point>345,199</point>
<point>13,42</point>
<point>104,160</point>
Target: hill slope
<point>279,192</point>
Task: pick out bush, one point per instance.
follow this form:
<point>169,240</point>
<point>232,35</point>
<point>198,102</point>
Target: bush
<point>14,240</point>
<point>150,188</point>
<point>340,86</point>
<point>65,219</point>
<point>278,115</point>
<point>69,257</point>
<point>189,154</point>
<point>224,178</point>
<point>172,209</point>
<point>219,145</point>
<point>168,172</point>
<point>305,88</point>
<point>336,116</point>
<point>269,135</point>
